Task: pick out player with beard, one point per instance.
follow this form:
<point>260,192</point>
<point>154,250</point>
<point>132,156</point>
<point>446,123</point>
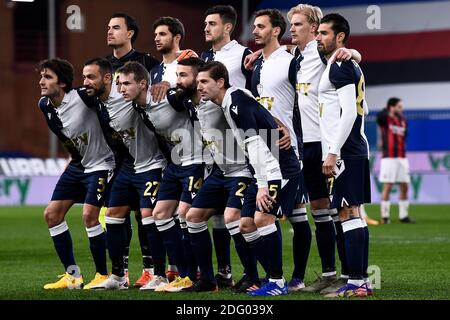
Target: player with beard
<point>123,31</point>
<point>183,177</point>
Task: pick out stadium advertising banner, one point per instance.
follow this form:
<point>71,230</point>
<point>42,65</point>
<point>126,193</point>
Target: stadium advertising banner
<point>28,181</point>
<point>430,178</point>
<point>31,181</point>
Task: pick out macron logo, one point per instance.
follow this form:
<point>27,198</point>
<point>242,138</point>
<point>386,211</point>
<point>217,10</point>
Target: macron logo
<point>49,116</point>
<point>153,199</point>
<point>156,74</point>
<point>234,109</point>
<point>99,196</point>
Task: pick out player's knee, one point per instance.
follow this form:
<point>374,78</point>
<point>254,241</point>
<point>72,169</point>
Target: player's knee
<point>116,212</point>
<point>159,214</point>
<point>183,209</point>
<point>191,216</point>
<point>264,219</point>
<point>231,214</point>
<point>320,204</point>
<point>347,213</point>
<point>300,205</point>
<point>90,219</point>
<point>52,217</point>
<point>247,225</point>
<point>196,216</point>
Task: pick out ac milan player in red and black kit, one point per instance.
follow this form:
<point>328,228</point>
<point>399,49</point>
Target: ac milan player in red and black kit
<point>394,164</point>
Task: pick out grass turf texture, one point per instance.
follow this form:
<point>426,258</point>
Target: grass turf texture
<point>413,259</point>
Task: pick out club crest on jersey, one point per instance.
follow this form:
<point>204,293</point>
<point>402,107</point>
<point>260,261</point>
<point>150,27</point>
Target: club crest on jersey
<point>259,88</point>
<point>344,202</point>
<point>340,167</point>
<point>110,175</point>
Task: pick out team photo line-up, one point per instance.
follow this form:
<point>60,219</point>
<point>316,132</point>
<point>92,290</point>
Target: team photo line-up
<point>244,138</point>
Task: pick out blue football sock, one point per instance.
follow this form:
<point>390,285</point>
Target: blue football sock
<point>355,241</point>
<point>246,256</point>
<point>273,243</point>
<point>156,246</point>
<point>340,242</point>
<point>97,244</point>
<point>202,247</point>
<point>188,253</point>
<point>366,249</point>
<point>143,242</point>
<point>171,235</point>
<point>301,241</point>
<point>222,240</point>
<point>256,243</point>
<point>63,244</point>
<point>116,239</point>
<point>128,236</point>
<point>326,239</point>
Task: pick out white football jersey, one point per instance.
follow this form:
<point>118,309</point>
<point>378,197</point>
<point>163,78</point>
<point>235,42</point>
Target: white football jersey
<point>77,126</point>
<point>176,128</point>
<point>341,111</point>
<point>312,66</point>
<point>273,85</point>
<point>220,141</point>
<point>232,55</point>
<point>165,72</point>
<point>140,141</point>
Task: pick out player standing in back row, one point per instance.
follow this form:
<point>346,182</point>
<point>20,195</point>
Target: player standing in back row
<point>305,20</point>
<point>220,22</point>
<point>123,31</point>
<point>273,84</point>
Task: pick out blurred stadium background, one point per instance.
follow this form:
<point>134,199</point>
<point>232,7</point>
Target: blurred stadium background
<point>406,53</point>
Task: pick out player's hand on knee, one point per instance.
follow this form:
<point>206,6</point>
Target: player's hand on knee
<point>263,200</point>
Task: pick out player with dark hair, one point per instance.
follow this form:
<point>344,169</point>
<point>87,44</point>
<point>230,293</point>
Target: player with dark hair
<point>223,191</point>
<point>220,21</point>
<point>273,85</point>
<point>345,150</point>
<point>305,20</point>
<point>394,164</point>
<point>169,34</point>
<point>276,171</point>
<point>123,30</point>
<point>71,115</point>
<point>182,179</point>
<point>138,177</point>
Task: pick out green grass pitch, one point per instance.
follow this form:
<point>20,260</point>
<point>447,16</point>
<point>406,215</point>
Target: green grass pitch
<point>413,260</point>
